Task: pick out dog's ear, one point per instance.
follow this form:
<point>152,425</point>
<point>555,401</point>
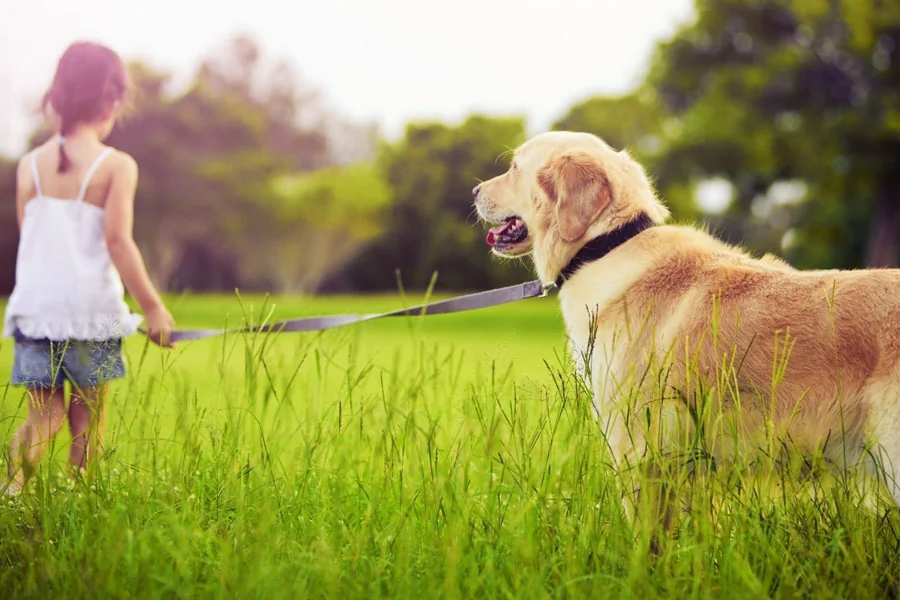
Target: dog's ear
<point>580,190</point>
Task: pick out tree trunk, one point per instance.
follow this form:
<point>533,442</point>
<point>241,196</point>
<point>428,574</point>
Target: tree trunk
<point>168,255</point>
<point>882,250</point>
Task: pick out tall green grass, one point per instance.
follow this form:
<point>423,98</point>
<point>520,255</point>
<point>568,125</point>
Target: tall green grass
<point>453,457</point>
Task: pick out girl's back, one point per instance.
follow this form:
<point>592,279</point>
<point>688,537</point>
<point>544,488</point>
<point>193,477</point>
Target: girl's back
<point>67,286</point>
<point>43,169</point>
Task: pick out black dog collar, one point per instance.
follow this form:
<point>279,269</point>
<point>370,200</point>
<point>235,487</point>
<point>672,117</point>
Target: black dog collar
<point>602,245</point>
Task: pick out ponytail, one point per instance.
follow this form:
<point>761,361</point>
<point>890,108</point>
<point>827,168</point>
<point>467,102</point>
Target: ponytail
<point>64,162</point>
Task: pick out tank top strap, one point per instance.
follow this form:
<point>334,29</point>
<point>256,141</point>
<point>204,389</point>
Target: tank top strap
<point>90,172</point>
<point>34,173</point>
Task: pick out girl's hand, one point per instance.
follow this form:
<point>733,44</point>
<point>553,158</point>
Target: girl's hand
<point>159,327</point>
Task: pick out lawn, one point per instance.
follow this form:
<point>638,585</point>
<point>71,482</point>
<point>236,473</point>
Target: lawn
<point>451,456</point>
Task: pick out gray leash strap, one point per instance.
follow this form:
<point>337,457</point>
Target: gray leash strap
<point>513,293</point>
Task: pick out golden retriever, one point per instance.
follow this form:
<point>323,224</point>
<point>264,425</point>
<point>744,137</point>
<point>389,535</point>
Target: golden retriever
<point>663,318</point>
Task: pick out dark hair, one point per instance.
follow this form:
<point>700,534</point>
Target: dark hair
<point>90,78</point>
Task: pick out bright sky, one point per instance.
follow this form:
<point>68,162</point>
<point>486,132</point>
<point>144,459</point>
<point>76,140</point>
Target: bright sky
<point>388,61</point>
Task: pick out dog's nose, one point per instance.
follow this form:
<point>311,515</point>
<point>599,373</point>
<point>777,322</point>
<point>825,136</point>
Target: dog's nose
<point>475,190</point>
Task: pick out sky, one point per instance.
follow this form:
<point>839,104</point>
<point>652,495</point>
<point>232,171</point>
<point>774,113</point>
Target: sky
<point>383,61</point>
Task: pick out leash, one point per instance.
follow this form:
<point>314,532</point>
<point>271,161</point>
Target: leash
<point>595,249</point>
<point>506,295</point>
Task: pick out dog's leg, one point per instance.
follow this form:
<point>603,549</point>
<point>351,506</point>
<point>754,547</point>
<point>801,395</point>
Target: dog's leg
<point>649,503</point>
<point>884,463</point>
<point>884,432</point>
<point>657,501</point>
<point>646,478</point>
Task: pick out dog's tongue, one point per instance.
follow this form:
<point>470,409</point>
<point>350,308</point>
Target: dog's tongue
<point>495,232</point>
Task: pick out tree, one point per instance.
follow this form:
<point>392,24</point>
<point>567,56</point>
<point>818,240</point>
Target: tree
<point>318,222</point>
<point>431,226</point>
<point>635,121</point>
<point>639,123</point>
<point>9,230</point>
<point>298,125</point>
<point>774,90</point>
<point>185,199</point>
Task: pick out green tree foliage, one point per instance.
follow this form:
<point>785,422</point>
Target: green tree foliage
<point>431,226</point>
<point>809,90</point>
<point>320,221</point>
<point>639,123</point>
<point>275,95</point>
<point>635,121</point>
<point>201,156</point>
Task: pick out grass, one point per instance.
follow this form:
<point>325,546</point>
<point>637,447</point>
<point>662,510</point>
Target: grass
<point>448,457</point>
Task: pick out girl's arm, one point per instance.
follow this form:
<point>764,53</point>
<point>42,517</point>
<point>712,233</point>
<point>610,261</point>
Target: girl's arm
<point>119,227</point>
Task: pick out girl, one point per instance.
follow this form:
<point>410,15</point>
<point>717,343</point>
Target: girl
<point>67,314</point>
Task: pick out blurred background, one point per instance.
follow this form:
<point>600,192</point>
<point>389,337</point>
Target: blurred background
<point>329,147</point>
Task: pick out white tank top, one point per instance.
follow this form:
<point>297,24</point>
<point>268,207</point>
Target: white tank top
<point>67,287</point>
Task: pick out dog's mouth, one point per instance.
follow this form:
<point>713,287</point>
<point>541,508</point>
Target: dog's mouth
<point>509,239</point>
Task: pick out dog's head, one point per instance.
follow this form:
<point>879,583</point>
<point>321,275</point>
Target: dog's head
<point>563,189</point>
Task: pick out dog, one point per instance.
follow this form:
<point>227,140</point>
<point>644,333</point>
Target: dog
<point>663,318</point>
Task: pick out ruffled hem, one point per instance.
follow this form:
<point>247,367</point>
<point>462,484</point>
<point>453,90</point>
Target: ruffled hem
<point>95,328</point>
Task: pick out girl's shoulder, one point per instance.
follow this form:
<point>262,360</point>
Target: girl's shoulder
<point>122,168</point>
<point>121,162</point>
<point>117,160</point>
<point>116,166</point>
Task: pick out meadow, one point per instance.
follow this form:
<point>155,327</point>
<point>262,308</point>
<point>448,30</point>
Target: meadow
<point>439,457</point>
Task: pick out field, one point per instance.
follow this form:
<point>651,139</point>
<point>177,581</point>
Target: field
<point>450,456</point>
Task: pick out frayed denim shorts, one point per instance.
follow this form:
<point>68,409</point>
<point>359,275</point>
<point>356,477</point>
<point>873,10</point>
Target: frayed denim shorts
<point>46,364</point>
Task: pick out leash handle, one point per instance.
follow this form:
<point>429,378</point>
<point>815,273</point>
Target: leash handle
<point>479,300</point>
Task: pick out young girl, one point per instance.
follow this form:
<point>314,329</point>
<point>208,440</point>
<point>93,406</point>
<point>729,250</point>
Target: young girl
<point>75,205</point>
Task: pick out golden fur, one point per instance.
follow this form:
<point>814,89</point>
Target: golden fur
<point>807,359</point>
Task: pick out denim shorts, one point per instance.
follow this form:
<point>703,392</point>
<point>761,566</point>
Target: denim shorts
<point>45,364</point>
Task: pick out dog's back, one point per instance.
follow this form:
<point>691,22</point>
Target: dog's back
<point>816,352</point>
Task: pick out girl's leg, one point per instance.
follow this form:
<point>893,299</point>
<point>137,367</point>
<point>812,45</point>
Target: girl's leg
<point>46,413</point>
<point>86,416</point>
